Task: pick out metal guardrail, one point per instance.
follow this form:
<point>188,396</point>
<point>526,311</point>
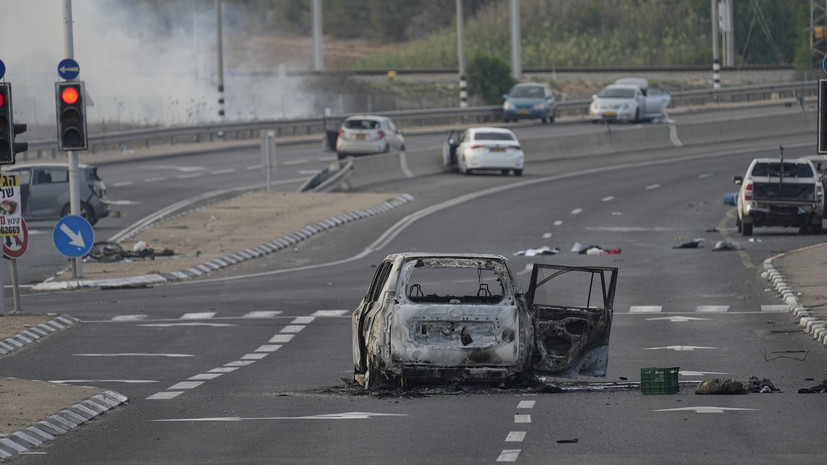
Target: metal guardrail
<point>424,117</point>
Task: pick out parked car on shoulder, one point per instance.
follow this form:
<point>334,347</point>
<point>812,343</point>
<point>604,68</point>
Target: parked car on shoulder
<point>368,134</point>
<point>44,191</point>
<point>780,192</point>
<point>631,100</point>
<point>529,101</point>
<point>484,148</point>
<point>432,317</point>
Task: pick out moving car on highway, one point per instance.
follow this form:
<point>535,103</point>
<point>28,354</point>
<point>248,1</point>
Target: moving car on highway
<point>368,134</point>
<point>529,101</point>
<point>629,99</point>
<point>485,148</point>
<point>44,191</point>
<point>463,317</point>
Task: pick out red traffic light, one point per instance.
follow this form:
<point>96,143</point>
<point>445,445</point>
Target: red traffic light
<point>2,99</point>
<point>69,95</point>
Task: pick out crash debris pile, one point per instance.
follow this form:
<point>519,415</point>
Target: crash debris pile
<point>732,386</point>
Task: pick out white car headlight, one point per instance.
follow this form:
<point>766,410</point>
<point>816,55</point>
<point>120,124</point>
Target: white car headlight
<point>508,106</point>
<point>539,106</point>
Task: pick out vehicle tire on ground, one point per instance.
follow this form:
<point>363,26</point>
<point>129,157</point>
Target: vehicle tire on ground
<point>518,172</point>
<point>637,115</point>
<point>738,224</point>
<point>504,172</point>
<point>747,229</point>
<point>552,116</point>
<point>463,167</point>
<point>815,224</point>
<point>85,212</point>
<point>544,120</point>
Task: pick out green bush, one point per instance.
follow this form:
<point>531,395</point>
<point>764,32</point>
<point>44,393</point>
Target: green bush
<point>489,77</point>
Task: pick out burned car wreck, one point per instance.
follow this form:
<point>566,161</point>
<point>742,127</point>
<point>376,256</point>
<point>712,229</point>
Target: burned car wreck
<point>464,318</point>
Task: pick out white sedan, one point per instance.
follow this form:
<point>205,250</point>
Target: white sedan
<point>629,99</point>
<point>484,149</point>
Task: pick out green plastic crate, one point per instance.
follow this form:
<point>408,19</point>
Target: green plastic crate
<point>659,380</point>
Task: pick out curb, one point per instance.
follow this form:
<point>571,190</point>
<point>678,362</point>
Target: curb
<point>62,422</point>
<point>249,254</point>
<point>29,336</point>
<point>812,326</point>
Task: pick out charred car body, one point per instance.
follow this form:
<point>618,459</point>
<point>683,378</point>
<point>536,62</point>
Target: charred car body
<point>463,317</point>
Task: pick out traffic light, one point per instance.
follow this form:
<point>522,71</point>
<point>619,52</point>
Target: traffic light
<point>71,116</point>
<point>6,125</point>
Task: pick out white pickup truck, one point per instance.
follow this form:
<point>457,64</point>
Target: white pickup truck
<point>779,192</point>
<point>629,99</point>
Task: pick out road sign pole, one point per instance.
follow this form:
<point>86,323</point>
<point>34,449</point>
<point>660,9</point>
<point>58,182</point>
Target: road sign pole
<point>15,288</point>
<point>74,191</point>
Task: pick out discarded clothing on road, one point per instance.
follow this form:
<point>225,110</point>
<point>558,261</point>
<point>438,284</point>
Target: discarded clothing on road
<point>725,245</point>
<point>597,250</point>
<point>818,389</point>
<point>695,244</point>
<point>545,250</point>
<point>761,386</point>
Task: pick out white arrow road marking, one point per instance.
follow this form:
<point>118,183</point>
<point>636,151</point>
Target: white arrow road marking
<point>135,354</point>
<point>76,238</point>
<point>704,409</point>
<point>677,319</point>
<point>330,416</point>
<point>681,348</point>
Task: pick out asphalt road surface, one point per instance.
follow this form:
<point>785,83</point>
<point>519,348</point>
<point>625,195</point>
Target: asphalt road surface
<point>247,366</point>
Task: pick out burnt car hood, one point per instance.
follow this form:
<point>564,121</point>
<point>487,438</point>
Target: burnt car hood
<point>572,308</point>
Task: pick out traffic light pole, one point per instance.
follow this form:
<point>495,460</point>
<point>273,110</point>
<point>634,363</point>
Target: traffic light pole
<point>74,191</point>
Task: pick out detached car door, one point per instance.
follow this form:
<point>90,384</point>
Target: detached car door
<point>571,309</point>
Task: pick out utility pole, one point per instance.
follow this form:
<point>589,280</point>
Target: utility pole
<point>318,36</point>
<point>516,59</point>
<point>219,60</point>
<point>716,62</point>
<point>463,85</point>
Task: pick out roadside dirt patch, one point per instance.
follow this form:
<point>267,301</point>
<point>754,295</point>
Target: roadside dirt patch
<point>25,402</point>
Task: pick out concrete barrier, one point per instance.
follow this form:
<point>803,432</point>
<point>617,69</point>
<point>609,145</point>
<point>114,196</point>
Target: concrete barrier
<point>615,139</point>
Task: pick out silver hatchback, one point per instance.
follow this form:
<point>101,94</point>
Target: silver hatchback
<point>44,191</point>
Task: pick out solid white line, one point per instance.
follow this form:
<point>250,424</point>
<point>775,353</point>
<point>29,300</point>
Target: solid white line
<point>164,395</point>
<point>515,436</point>
<point>129,317</point>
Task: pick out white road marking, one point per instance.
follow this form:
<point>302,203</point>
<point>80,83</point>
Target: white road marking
<point>681,348</point>
<point>295,162</point>
<point>135,354</point>
<point>302,320</point>
<point>774,308</point>
<point>331,416</point>
<point>292,329</point>
<point>262,314</point>
<point>705,175</point>
<point>205,376</point>
<point>164,395</point>
<point>652,186</point>
<point>522,418</point>
<point>547,236</point>
<point>526,404</point>
<point>83,381</point>
<point>170,325</point>
<point>330,313</point>
<point>255,356</point>
<point>678,319</point>
<point>558,223</point>
<point>704,409</point>
<point>281,338</point>
<point>515,436</point>
<point>645,309</point>
<point>198,316</point>
<point>712,308</point>
<point>239,363</point>
<point>223,370</point>
<point>269,348</point>
<point>253,167</point>
<point>226,171</point>
<point>186,385</point>
<point>608,198</point>
<point>155,179</point>
<point>508,455</point>
<point>129,317</point>
<point>700,373</point>
<point>187,176</point>
<point>577,211</point>
<point>123,183</point>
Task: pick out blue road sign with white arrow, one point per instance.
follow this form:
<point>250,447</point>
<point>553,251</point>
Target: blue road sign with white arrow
<point>73,236</point>
<point>68,69</point>
<point>2,69</point>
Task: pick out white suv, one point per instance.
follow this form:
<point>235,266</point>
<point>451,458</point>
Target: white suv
<point>779,192</point>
